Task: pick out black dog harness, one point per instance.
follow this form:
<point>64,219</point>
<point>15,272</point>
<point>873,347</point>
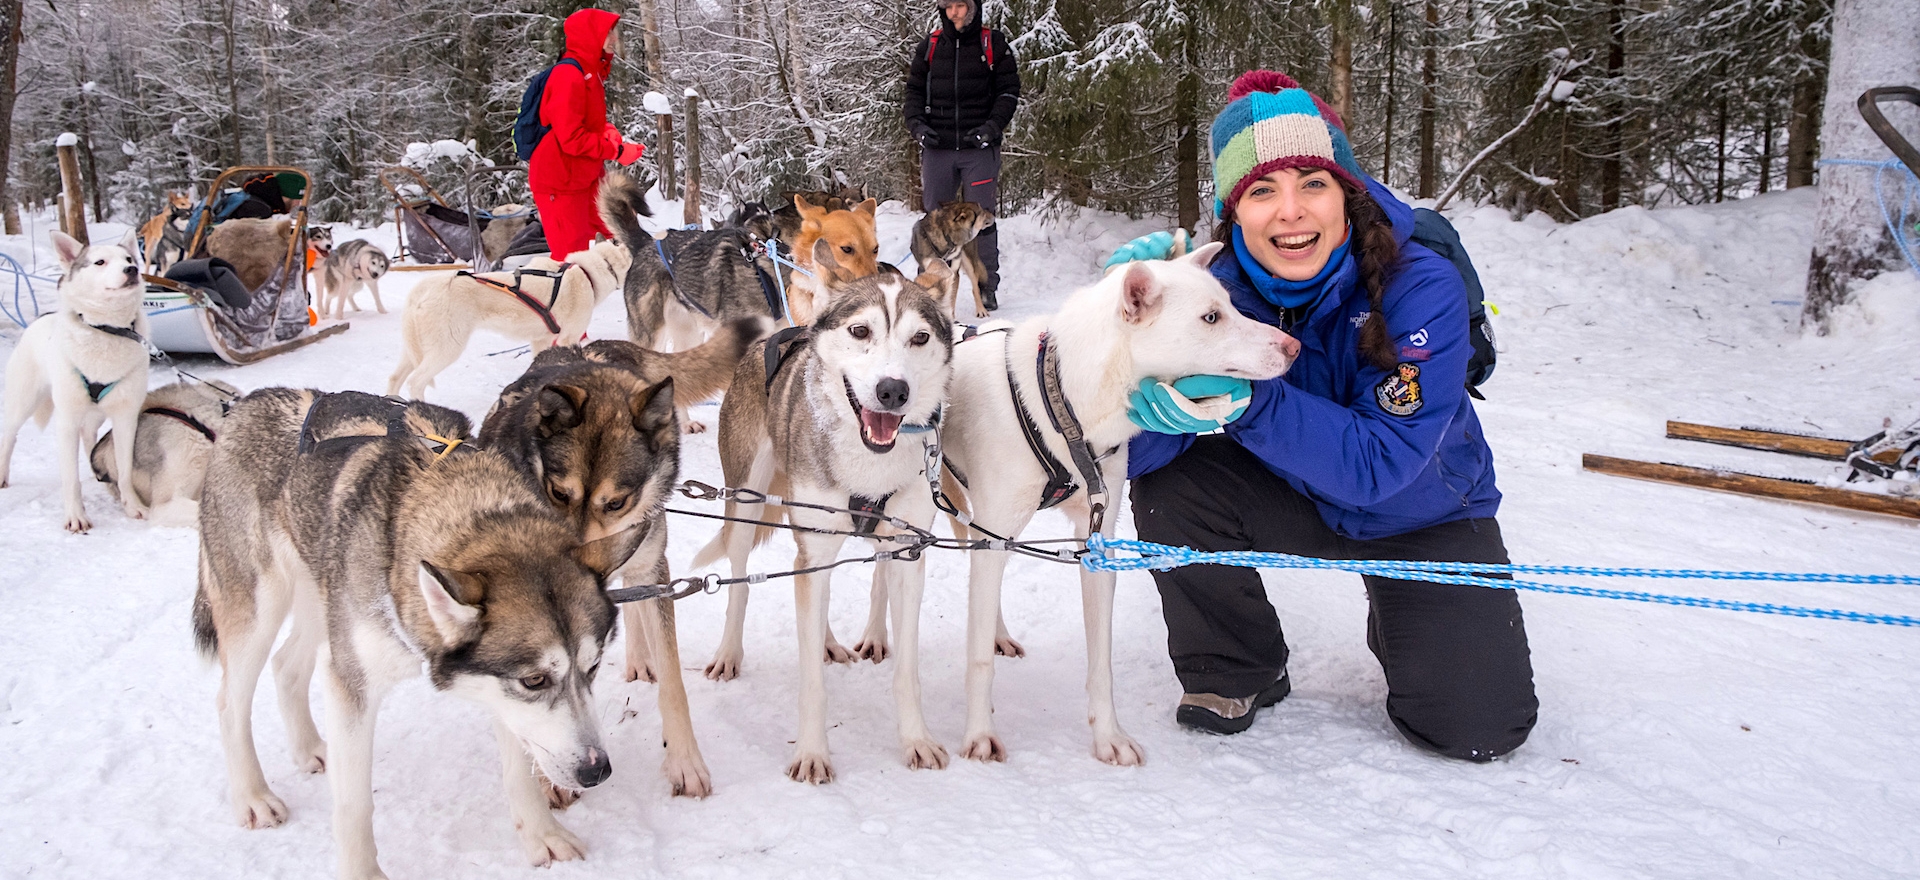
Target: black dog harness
<point>97,391</point>
<point>543,310</point>
<point>182,417</point>
<point>1060,482</point>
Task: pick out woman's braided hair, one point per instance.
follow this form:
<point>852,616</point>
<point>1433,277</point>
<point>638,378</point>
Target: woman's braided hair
<point>1378,255</point>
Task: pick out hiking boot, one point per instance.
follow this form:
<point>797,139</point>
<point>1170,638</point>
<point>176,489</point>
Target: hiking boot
<point>1213,713</point>
<point>988,299</point>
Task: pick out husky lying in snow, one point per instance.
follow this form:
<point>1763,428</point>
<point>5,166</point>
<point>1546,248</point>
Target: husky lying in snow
<point>178,426</point>
<point>403,549</point>
<point>837,415</point>
<point>82,365</point>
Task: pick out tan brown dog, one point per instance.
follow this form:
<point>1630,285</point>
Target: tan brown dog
<point>856,253</point>
<point>256,248</point>
<point>164,234</point>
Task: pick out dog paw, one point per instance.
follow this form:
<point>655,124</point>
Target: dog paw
<point>693,427</point>
<point>725,666</point>
<point>1005,646</point>
<point>558,798</point>
<point>687,775</point>
<point>261,809</point>
<point>984,747</point>
<point>1118,749</point>
<point>640,672</point>
<point>811,767</point>
<point>924,754</point>
<point>136,511</point>
<point>871,648</point>
<point>310,757</point>
<point>78,523</point>
<point>549,843</point>
<point>838,653</point>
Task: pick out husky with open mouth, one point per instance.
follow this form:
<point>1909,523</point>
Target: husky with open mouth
<point>839,414</point>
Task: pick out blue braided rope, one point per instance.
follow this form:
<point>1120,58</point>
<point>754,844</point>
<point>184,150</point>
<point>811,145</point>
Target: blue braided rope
<point>1160,557</point>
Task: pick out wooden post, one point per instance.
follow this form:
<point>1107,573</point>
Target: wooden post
<point>73,210</point>
<point>668,177</point>
<point>691,215</point>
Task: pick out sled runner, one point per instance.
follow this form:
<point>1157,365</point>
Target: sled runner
<point>1887,455</point>
<point>203,306</point>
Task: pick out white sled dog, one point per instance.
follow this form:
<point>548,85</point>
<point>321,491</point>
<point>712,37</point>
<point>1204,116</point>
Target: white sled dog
<point>839,414</point>
<point>1164,319</point>
<point>344,271</point>
<point>397,544</point>
<point>441,314</point>
<point>82,365</point>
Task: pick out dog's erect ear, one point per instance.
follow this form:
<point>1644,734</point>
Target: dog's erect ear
<point>605,556</point>
<point>1140,294</point>
<point>653,414</point>
<point>808,212</point>
<point>131,243</point>
<point>1203,256</point>
<point>867,207</point>
<point>453,601</point>
<point>67,248</point>
<point>933,273</point>
<point>560,407</point>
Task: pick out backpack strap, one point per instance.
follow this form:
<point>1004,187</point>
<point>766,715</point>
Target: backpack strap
<point>986,42</point>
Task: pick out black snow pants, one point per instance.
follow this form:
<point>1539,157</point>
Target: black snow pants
<point>1459,675</point>
<point>968,176</point>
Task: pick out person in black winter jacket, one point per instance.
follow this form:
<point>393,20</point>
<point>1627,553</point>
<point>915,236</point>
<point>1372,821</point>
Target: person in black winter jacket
<point>962,89</point>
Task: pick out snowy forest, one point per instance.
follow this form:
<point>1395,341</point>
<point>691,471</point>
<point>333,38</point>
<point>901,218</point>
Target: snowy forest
<point>1666,101</point>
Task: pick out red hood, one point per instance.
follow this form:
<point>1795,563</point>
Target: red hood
<point>587,39</point>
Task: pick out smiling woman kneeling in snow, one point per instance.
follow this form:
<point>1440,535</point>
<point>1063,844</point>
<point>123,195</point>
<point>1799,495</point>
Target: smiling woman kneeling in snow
<point>1368,448</point>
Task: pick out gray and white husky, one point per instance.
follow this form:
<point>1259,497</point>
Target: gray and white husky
<point>402,548</point>
<point>346,269</point>
<point>831,419</point>
<point>82,365</point>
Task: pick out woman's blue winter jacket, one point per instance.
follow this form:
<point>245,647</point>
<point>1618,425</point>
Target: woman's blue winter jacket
<point>1380,452</point>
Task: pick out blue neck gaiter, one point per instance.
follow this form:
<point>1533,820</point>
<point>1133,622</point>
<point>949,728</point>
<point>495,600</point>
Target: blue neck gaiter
<point>1281,292</point>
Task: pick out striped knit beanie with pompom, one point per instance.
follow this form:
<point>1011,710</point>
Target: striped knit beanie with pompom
<point>1271,123</point>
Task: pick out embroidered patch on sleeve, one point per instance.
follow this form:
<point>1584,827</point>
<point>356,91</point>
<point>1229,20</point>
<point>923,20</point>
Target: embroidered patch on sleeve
<point>1399,393</point>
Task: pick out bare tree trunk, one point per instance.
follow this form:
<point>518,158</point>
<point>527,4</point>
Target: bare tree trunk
<point>1340,78</point>
<point>1429,159</point>
<point>1874,44</point>
<point>1393,58</point>
<point>690,213</point>
<point>9,60</point>
<point>1720,165</point>
<point>1616,61</point>
<point>73,212</point>
<point>650,44</point>
<point>1186,161</point>
<point>1766,148</point>
<point>266,88</point>
<point>233,87</point>
<point>1569,190</point>
<point>1803,129</point>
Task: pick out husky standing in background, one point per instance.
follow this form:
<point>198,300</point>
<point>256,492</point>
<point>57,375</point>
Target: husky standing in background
<point>164,235</point>
<point>947,234</point>
<point>82,365</point>
<point>839,415</point>
<point>347,268</point>
<point>178,426</point>
<point>403,549</point>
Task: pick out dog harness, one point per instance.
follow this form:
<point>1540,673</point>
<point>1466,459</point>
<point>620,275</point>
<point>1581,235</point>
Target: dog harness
<point>182,417</point>
<point>396,420</point>
<point>543,310</point>
<point>97,391</point>
<point>1060,483</point>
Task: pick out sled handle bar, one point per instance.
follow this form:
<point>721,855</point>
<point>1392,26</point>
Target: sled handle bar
<point>1870,111</point>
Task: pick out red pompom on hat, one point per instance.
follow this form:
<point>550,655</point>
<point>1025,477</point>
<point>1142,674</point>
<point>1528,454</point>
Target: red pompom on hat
<point>1259,81</point>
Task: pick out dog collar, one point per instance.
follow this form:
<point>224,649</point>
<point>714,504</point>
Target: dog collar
<point>126,332</point>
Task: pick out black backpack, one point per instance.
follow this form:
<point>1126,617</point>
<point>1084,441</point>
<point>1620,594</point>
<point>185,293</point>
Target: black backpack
<point>1436,234</point>
<point>527,130</point>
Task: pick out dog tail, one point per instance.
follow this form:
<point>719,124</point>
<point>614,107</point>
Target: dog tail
<point>206,637</point>
<point>621,199</point>
<point>701,372</point>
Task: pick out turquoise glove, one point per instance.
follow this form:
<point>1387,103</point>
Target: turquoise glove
<point>1157,246</point>
<point>1191,405</point>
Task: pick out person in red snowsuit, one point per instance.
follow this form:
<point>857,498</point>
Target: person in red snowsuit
<point>566,167</point>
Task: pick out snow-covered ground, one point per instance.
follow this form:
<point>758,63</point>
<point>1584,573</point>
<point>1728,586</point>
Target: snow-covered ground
<point>1672,742</point>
